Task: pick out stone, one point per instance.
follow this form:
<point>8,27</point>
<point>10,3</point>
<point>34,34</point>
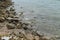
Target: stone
<point>10,26</point>
<point>11,9</point>
<point>19,26</point>
<point>13,19</point>
<point>2,19</point>
<point>37,38</point>
<point>25,28</point>
<point>39,33</point>
<point>29,36</point>
<point>46,38</point>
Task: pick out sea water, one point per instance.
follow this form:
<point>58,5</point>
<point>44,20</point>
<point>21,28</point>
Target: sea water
<point>46,14</point>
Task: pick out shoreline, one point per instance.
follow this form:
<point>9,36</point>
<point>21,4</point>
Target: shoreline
<point>12,28</point>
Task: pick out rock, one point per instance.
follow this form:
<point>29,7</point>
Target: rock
<point>21,13</point>
<point>57,37</point>
<point>11,9</point>
<point>29,36</point>
<point>37,38</point>
<point>10,26</point>
<point>13,19</point>
<point>2,19</point>
<point>19,26</point>
<point>16,16</point>
<point>46,38</point>
<point>21,35</point>
<point>25,28</point>
<point>39,33</point>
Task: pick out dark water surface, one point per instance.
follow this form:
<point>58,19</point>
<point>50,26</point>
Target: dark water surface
<point>45,12</point>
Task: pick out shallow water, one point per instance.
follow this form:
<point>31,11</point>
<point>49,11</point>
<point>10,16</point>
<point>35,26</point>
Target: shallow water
<point>46,13</point>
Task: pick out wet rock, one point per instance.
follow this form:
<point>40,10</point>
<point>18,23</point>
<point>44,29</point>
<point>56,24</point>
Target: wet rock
<point>10,26</point>
<point>10,15</point>
<point>13,19</point>
<point>11,9</point>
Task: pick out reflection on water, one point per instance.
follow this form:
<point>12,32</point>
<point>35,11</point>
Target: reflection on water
<point>46,13</point>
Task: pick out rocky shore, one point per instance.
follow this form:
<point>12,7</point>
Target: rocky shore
<point>12,28</point>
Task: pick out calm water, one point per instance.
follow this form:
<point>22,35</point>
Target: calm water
<point>47,13</point>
